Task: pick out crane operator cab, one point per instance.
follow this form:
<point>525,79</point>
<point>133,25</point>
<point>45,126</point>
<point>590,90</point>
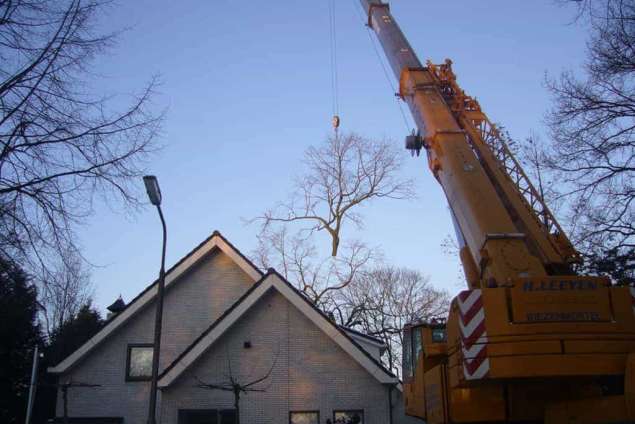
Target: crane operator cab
<point>424,352</point>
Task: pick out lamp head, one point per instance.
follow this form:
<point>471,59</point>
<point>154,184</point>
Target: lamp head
<point>152,187</point>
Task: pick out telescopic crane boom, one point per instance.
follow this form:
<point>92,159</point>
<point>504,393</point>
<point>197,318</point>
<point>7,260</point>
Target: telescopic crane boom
<point>493,209</point>
<point>529,340</point>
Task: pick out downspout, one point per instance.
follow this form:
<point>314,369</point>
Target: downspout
<point>390,388</point>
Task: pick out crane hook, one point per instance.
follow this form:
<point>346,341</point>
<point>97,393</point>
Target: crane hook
<point>414,143</point>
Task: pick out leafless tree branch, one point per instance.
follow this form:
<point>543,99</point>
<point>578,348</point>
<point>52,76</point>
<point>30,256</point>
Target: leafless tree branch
<point>384,299</point>
<point>234,384</point>
<point>592,124</point>
<point>61,146</point>
<point>64,290</point>
<point>343,174</point>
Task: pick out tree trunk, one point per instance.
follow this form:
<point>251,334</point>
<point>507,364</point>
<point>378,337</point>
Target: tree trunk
<point>236,405</point>
<point>335,244</point>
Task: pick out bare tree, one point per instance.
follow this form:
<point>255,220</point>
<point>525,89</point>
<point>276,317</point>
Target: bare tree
<point>60,144</point>
<point>355,289</point>
<point>234,384</point>
<point>319,277</point>
<point>344,173</point>
<point>533,157</point>
<point>383,300</point>
<point>592,124</point>
<point>64,291</point>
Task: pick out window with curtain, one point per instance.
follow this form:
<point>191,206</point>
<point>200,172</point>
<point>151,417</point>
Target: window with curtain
<point>304,417</point>
<point>139,362</point>
<point>348,417</point>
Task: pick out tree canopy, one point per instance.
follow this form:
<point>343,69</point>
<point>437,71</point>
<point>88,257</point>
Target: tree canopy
<point>62,142</point>
<point>20,333</point>
<point>592,125</point>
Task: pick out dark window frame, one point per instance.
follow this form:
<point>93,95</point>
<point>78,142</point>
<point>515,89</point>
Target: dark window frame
<point>359,411</point>
<point>417,347</point>
<point>87,420</point>
<point>185,414</point>
<point>310,411</point>
<point>407,368</point>
<point>221,413</point>
<point>128,354</point>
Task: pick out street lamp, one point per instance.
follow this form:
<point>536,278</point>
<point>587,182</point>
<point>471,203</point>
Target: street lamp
<point>154,193</point>
<point>153,189</point>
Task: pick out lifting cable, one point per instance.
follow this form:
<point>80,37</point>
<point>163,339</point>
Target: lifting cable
<point>369,31</point>
<point>334,75</point>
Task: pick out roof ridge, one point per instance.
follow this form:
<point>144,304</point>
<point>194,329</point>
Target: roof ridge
<point>215,233</point>
<point>237,250</point>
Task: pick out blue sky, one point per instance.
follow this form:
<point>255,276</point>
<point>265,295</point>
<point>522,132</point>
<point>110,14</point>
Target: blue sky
<point>247,89</point>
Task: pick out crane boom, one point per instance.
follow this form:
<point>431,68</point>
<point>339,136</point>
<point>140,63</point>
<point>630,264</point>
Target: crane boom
<point>529,341</point>
<point>494,203</point>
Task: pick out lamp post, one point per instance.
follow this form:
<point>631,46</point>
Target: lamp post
<point>154,193</point>
<point>33,386</point>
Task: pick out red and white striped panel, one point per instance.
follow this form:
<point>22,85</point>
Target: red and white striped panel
<point>473,334</point>
<point>632,290</point>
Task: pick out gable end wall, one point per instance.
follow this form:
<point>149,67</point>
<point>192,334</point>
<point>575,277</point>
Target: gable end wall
<point>311,371</point>
<point>191,305</point>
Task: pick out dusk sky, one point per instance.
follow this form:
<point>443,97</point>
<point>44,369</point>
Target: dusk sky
<point>247,89</point>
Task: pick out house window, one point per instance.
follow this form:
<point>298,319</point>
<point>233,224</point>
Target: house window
<point>348,417</point>
<point>87,420</point>
<point>227,416</point>
<point>207,416</point>
<point>417,347</point>
<point>406,365</point>
<point>304,417</point>
<point>139,362</point>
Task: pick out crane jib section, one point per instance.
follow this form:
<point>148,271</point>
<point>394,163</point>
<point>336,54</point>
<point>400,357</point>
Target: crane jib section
<point>507,228</point>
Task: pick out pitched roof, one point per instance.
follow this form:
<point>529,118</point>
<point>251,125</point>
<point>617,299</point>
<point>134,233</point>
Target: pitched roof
<point>362,335</point>
<point>365,339</point>
<point>274,281</point>
<point>214,242</point>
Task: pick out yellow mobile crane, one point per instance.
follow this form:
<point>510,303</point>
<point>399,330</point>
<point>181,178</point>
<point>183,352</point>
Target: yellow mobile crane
<point>529,340</point>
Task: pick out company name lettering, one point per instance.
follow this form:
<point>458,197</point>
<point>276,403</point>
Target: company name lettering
<point>563,316</point>
<point>563,285</point>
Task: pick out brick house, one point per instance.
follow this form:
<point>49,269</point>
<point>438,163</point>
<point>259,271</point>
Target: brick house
<point>224,318</point>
